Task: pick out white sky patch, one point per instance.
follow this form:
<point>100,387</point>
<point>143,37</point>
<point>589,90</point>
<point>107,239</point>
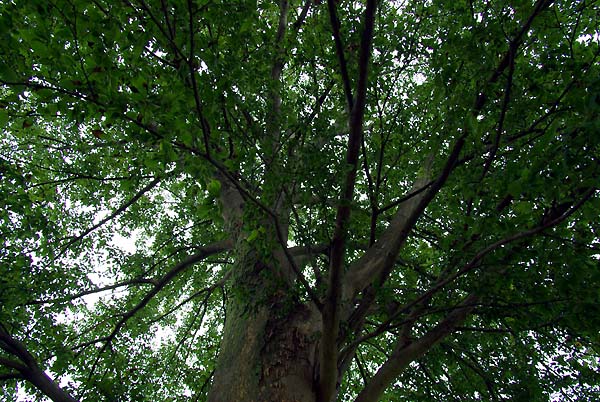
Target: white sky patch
<point>419,78</point>
<point>160,336</point>
<point>587,39</point>
<point>126,243</point>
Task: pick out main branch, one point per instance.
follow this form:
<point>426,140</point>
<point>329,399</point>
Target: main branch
<point>406,352</point>
<point>331,309</point>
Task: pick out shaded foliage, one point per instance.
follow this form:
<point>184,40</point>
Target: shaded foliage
<point>142,121</point>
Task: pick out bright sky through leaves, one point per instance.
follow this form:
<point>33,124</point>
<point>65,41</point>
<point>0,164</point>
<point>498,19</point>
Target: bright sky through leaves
<point>368,201</point>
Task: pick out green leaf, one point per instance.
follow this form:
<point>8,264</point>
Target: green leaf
<point>7,72</point>
<point>127,273</point>
<point>3,118</point>
<point>515,188</point>
<point>252,236</point>
<point>214,188</point>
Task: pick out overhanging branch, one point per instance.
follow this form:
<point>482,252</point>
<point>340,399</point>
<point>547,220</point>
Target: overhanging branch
<point>28,368</point>
<point>339,48</point>
<point>113,215</point>
<point>372,269</point>
<point>476,260</point>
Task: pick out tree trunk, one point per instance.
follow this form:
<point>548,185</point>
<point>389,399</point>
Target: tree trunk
<point>269,340</point>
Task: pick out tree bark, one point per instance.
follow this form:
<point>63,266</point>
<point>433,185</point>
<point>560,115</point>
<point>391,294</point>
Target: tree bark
<point>269,340</point>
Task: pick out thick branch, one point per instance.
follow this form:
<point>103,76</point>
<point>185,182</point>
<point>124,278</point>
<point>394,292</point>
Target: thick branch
<point>29,369</point>
<point>10,376</point>
<point>476,260</point>
<point>273,124</point>
<point>302,255</point>
<point>331,309</point>
<point>302,17</point>
<point>374,266</point>
<point>232,193</point>
<point>12,364</point>
<point>404,353</point>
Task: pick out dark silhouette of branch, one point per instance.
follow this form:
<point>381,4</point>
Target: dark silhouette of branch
<point>302,17</point>
<point>113,215</point>
<point>407,351</point>
<point>28,368</point>
<point>331,307</point>
<point>137,281</point>
<point>339,48</point>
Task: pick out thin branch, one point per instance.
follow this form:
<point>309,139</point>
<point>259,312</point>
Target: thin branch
<point>390,324</point>
<point>160,27</point>
<point>475,261</point>
<point>197,317</point>
<point>406,197</point>
<point>476,368</point>
<point>208,290</point>
<point>505,101</point>
<point>160,285</point>
<point>170,27</point>
<point>318,104</point>
<point>540,6</point>
<point>361,369</point>
<point>339,48</point>
<point>137,281</point>
<point>113,215</point>
<point>192,70</point>
<point>37,86</point>
<point>484,330</point>
<point>77,176</point>
<point>204,384</point>
<point>273,124</point>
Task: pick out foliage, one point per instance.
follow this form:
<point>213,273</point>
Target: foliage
<point>129,121</point>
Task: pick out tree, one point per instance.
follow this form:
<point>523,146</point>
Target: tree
<point>330,200</point>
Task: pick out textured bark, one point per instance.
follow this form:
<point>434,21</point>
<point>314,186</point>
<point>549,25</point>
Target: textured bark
<point>269,342</point>
<point>236,376</point>
<point>288,356</point>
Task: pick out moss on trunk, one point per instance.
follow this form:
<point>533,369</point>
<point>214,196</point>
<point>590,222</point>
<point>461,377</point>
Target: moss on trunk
<point>269,341</point>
